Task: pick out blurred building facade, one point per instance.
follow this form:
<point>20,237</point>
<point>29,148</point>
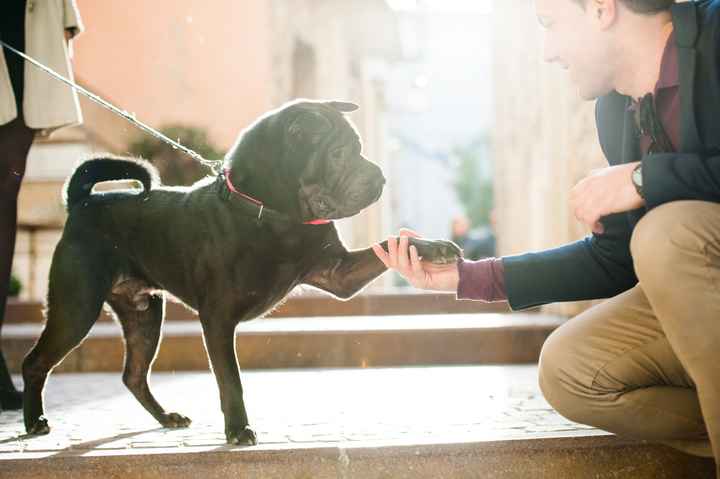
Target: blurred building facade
<point>544,140</point>
<point>217,67</point>
<point>440,99</point>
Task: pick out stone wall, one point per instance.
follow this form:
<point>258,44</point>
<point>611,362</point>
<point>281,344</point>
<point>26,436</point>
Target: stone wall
<point>544,139</point>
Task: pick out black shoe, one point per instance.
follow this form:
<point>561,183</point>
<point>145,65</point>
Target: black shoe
<point>11,400</point>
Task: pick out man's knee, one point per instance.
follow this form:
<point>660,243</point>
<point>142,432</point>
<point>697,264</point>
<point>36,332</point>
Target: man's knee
<point>665,235</point>
<point>559,378</point>
<point>652,231</point>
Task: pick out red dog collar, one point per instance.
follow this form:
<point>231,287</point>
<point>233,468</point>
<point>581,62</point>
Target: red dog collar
<point>232,188</point>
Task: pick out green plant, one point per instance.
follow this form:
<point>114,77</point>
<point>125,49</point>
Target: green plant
<point>473,185</point>
<point>15,286</point>
<point>175,167</point>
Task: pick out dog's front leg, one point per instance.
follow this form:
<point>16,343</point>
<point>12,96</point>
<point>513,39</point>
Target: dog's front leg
<point>219,333</point>
<point>348,272</point>
<point>344,275</point>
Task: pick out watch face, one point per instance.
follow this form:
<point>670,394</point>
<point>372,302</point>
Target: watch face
<point>637,176</point>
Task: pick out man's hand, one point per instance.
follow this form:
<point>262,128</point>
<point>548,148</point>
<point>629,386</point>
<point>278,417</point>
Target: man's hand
<point>605,191</point>
<point>420,274</point>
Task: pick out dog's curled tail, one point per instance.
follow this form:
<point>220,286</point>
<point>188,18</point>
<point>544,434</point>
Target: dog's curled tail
<point>106,168</point>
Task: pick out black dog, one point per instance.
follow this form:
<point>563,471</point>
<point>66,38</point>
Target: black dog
<point>214,246</point>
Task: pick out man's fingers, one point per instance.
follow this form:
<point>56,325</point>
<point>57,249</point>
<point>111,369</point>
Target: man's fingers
<point>415,265</point>
<point>409,232</point>
<point>402,259</point>
<point>392,250</point>
<point>381,254</point>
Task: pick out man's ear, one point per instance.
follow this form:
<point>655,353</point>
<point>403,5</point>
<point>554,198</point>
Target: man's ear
<point>342,106</point>
<point>604,11</point>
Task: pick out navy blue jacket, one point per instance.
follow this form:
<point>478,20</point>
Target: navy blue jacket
<point>600,266</point>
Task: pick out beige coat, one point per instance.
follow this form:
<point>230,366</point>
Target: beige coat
<point>48,104</point>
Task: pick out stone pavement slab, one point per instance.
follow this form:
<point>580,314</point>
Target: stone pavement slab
<point>456,421</point>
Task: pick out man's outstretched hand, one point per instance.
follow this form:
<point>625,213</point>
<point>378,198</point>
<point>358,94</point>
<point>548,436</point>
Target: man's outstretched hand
<point>404,259</point>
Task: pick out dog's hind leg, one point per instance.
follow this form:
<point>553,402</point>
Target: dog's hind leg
<point>141,328</point>
<point>79,282</point>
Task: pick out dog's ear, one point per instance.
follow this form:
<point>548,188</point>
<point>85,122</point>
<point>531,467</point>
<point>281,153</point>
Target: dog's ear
<point>343,106</point>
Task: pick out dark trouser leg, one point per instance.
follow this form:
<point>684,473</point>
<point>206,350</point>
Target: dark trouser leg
<point>15,141</point>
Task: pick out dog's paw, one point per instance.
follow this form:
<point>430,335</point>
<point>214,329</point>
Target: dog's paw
<point>242,436</point>
<point>437,251</point>
<point>174,420</point>
<point>39,427</point>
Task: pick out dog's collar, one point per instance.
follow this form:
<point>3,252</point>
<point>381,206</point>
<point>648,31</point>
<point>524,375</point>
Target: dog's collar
<point>232,189</point>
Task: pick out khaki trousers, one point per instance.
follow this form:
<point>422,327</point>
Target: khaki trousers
<point>646,363</point>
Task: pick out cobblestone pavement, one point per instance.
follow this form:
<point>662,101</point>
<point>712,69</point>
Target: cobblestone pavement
<point>298,408</point>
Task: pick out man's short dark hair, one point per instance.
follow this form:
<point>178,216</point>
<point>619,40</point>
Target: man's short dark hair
<point>641,6</point>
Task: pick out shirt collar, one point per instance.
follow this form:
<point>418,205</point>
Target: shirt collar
<point>669,72</point>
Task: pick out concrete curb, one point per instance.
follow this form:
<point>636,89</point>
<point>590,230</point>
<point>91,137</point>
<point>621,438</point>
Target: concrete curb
<point>596,456</point>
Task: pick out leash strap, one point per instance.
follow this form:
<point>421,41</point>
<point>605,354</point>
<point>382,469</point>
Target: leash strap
<point>127,115</point>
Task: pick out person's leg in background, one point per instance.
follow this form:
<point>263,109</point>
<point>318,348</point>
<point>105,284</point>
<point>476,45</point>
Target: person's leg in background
<point>612,367</point>
<point>15,141</point>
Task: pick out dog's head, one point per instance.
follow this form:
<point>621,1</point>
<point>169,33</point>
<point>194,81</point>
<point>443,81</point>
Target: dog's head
<point>305,159</point>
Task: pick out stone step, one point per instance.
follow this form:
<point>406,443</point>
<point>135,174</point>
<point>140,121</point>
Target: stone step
<point>557,458</point>
<point>438,422</point>
<point>344,341</point>
<point>312,305</point>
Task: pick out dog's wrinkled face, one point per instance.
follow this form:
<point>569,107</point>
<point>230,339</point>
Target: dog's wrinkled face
<point>336,181</point>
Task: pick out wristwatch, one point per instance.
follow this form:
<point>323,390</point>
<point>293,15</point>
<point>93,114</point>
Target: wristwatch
<point>637,180</point>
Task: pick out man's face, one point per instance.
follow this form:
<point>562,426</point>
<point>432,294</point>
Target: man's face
<point>576,40</point>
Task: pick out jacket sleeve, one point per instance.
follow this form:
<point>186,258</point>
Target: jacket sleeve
<point>599,266</point>
<point>680,176</point>
<point>71,17</point>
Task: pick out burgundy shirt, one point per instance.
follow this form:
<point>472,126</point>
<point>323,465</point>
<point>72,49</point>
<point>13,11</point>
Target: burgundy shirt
<point>484,280</point>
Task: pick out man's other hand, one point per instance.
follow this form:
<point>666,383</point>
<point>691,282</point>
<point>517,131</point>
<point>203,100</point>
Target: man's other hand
<point>603,192</point>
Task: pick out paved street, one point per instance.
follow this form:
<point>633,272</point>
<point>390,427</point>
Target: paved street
<point>94,413</point>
